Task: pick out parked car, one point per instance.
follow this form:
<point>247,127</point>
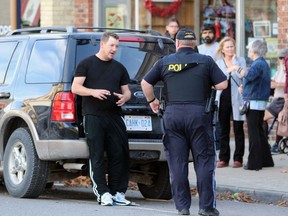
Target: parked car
<point>42,139</point>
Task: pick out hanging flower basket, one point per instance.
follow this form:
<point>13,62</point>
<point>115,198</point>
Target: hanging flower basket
<point>162,12</point>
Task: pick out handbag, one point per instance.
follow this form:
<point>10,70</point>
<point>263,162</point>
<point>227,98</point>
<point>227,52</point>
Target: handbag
<point>282,129</point>
<point>244,108</point>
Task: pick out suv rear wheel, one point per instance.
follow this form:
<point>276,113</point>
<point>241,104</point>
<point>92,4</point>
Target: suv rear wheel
<point>160,189</point>
<point>25,175</point>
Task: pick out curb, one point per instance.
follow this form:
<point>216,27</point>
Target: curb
<point>262,196</point>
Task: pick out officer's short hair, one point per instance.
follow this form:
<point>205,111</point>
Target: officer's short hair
<point>188,42</point>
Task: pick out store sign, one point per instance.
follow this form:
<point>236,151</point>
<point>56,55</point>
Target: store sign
<point>30,12</point>
<point>4,29</point>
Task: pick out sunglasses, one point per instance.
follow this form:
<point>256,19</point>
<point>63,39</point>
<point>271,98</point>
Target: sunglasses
<point>281,58</point>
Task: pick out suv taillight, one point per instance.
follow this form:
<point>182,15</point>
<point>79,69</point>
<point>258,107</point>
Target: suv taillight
<point>63,107</point>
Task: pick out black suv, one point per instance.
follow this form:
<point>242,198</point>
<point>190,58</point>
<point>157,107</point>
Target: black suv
<point>42,139</point>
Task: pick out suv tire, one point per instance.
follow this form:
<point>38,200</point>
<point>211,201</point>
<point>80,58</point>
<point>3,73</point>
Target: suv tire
<point>160,189</point>
<point>25,175</point>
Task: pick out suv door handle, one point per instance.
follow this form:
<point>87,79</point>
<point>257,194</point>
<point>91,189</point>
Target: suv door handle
<point>4,95</point>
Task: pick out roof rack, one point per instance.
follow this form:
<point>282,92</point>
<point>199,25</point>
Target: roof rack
<point>43,30</point>
<point>121,30</point>
<point>73,29</point>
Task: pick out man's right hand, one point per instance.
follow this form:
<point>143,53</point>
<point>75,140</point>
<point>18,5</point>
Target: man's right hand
<point>100,93</point>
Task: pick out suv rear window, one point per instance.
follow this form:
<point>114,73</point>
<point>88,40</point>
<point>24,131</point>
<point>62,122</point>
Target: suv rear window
<point>137,57</point>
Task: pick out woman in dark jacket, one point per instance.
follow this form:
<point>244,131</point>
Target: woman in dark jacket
<point>256,89</point>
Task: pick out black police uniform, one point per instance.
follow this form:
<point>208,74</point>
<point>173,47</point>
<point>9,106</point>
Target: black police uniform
<point>188,78</point>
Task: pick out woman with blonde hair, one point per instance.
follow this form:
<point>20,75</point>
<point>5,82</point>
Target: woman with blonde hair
<point>229,101</point>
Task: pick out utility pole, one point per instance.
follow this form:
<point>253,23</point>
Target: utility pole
<point>240,27</point>
<point>15,16</point>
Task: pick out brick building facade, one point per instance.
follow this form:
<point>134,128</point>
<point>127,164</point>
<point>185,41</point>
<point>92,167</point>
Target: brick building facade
<point>87,13</point>
<point>80,13</point>
<point>67,12</point>
<point>282,14</point>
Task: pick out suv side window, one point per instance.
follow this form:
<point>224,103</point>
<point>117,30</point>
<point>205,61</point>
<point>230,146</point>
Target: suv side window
<point>13,64</point>
<point>6,52</point>
<point>46,62</point>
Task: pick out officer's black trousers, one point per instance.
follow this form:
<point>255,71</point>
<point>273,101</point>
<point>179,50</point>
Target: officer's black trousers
<point>107,133</point>
<point>187,127</point>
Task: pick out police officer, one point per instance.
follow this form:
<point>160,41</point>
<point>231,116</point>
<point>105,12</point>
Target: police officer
<point>188,79</point>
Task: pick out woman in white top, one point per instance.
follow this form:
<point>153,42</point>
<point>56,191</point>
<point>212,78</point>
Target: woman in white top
<point>274,108</point>
<point>229,102</point>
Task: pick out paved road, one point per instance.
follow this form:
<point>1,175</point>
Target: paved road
<point>80,201</point>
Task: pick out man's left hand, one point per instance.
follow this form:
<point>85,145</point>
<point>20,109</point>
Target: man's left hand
<point>121,100</point>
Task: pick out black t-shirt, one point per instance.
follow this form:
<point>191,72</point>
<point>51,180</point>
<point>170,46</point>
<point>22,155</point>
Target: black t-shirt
<point>109,75</point>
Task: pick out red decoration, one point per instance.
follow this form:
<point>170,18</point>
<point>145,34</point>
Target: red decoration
<point>163,12</point>
<point>217,27</point>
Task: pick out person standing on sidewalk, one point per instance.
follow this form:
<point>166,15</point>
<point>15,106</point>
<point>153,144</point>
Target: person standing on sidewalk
<point>172,27</point>
<point>210,44</point>
<point>103,84</point>
<point>275,107</point>
<point>188,79</point>
<point>208,36</point>
<point>256,89</point>
<point>229,102</point>
<point>286,87</point>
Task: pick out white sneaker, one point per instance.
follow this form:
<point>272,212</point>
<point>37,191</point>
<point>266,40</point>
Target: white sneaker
<point>106,199</point>
<point>119,199</point>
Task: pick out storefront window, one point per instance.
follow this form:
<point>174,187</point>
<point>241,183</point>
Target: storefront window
<point>141,18</point>
<point>261,23</point>
<point>220,14</point>
<point>115,13</point>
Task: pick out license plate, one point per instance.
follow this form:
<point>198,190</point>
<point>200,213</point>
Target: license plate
<point>138,123</point>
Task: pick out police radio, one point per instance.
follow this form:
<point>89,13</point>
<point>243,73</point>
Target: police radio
<point>162,104</point>
<point>210,101</point>
<point>212,106</point>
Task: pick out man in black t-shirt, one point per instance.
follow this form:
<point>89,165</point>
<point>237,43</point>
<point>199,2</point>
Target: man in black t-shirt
<point>103,84</point>
<point>188,78</point>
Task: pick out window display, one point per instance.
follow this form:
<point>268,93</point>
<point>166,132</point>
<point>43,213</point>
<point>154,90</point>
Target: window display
<point>261,22</point>
<point>220,14</point>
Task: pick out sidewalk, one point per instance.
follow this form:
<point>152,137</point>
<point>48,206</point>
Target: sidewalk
<point>269,185</point>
